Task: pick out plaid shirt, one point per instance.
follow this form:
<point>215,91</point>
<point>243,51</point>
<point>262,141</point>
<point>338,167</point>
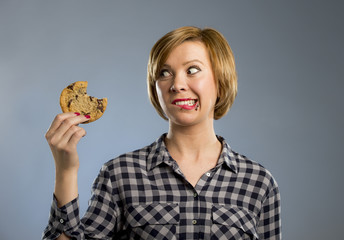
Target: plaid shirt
<point>144,195</point>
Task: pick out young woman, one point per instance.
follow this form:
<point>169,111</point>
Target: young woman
<point>189,183</point>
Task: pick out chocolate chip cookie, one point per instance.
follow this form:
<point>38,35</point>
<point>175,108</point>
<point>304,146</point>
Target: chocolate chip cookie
<point>74,98</point>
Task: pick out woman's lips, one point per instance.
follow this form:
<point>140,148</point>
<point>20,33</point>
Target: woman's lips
<point>187,104</point>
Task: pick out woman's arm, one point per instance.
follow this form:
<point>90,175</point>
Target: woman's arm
<point>63,136</point>
<point>270,217</point>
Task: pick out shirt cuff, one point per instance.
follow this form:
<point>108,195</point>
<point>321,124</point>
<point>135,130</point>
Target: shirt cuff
<point>63,219</point>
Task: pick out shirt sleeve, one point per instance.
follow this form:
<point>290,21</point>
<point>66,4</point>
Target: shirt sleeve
<point>99,220</point>
<point>270,217</point>
<point>62,219</point>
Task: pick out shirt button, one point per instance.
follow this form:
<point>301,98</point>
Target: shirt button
<point>61,220</point>
<point>195,195</point>
<point>194,222</point>
<point>208,174</point>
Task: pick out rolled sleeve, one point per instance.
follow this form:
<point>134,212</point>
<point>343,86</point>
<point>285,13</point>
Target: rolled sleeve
<point>99,220</point>
<point>63,219</point>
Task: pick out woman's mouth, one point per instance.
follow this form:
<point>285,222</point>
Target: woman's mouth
<point>187,104</point>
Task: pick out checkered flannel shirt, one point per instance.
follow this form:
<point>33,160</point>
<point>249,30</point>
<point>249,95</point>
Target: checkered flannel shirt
<point>144,195</point>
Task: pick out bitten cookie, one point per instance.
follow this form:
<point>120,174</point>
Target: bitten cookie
<point>74,98</point>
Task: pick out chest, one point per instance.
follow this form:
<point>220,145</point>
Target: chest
<point>194,172</point>
<point>172,184</point>
<point>163,201</point>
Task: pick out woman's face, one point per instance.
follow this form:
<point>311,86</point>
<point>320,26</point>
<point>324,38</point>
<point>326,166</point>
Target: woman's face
<point>186,87</point>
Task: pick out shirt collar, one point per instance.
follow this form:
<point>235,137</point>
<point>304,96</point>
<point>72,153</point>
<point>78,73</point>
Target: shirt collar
<point>227,155</point>
<point>158,154</point>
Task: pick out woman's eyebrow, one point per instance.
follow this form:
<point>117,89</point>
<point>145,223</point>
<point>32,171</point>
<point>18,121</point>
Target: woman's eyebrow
<point>166,65</point>
<point>185,63</point>
<point>194,60</point>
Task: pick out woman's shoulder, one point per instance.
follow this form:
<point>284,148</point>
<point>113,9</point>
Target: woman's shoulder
<point>255,170</point>
<point>249,168</point>
<point>136,158</point>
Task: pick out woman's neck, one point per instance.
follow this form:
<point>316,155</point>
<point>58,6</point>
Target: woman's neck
<point>192,142</point>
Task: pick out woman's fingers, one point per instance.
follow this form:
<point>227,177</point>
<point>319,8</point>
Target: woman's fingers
<point>67,124</point>
<point>61,125</point>
<point>73,136</point>
<point>58,120</point>
<point>63,137</point>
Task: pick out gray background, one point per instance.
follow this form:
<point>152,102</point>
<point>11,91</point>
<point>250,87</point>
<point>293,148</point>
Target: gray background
<point>288,114</point>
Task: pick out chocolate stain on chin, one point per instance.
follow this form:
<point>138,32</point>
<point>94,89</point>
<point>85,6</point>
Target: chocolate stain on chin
<point>197,107</point>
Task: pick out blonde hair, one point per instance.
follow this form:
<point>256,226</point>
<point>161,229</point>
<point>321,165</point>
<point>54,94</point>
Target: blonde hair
<point>221,58</point>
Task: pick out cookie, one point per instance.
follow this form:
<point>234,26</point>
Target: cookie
<point>74,98</point>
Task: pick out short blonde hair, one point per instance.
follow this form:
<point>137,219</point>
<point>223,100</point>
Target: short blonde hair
<point>221,58</point>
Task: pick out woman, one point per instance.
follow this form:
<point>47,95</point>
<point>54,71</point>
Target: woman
<point>188,184</point>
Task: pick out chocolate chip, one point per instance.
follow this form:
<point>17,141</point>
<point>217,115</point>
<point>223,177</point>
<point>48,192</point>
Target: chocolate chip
<point>100,106</point>
<point>69,103</point>
<point>91,98</point>
<point>76,97</point>
<point>71,86</point>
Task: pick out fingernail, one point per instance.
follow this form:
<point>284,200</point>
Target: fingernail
<point>76,113</point>
<point>88,116</point>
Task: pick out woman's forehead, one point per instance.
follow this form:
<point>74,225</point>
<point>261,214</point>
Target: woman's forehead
<point>186,52</point>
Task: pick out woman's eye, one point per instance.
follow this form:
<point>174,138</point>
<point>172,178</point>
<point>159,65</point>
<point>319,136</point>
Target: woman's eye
<point>193,70</point>
<point>165,73</point>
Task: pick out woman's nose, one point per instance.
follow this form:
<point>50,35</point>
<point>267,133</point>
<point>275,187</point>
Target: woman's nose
<point>179,84</point>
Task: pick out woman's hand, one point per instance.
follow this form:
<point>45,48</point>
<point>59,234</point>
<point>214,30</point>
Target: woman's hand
<point>63,136</point>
